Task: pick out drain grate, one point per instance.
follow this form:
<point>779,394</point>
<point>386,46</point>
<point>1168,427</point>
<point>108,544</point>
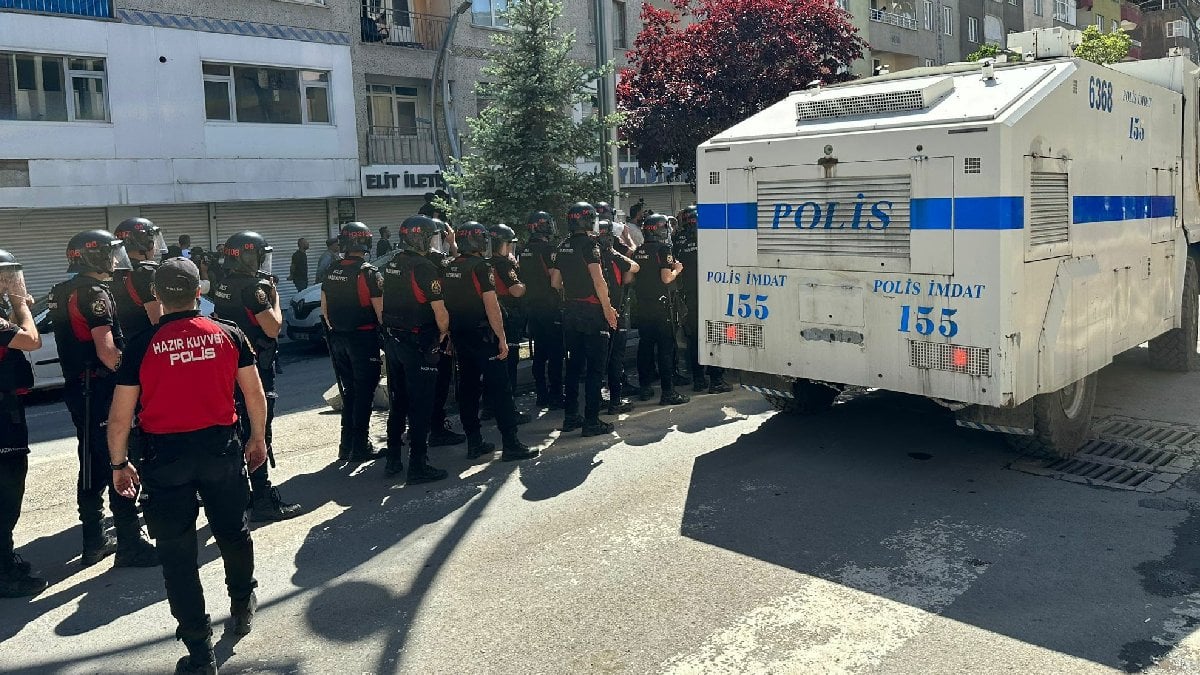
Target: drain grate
<point>1135,456</point>
<point>1140,432</point>
<point>1120,465</point>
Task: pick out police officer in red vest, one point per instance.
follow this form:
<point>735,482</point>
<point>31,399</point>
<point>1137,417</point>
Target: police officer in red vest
<point>180,377</point>
<point>442,250</point>
<point>18,334</point>
<point>510,291</point>
<point>88,337</point>
<point>618,274</point>
<point>247,296</point>
<point>655,290</point>
<point>137,308</point>
<point>352,305</point>
<point>416,332</point>
<point>543,306</point>
<point>477,328</point>
<point>588,317</point>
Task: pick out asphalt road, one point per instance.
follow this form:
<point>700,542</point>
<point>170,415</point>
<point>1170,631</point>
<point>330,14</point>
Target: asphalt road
<point>716,537</point>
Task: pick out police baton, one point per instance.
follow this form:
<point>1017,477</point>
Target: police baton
<point>329,348</point>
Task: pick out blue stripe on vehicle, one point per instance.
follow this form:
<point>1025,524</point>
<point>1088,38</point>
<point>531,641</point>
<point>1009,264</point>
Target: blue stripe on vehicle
<point>1107,209</point>
<point>969,213</point>
<point>736,216</point>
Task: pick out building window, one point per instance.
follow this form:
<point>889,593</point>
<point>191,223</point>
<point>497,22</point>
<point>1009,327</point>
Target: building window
<point>488,13</point>
<point>1012,2</point>
<point>1037,7</point>
<point>929,15</point>
<point>947,21</point>
<point>1099,23</point>
<point>264,95</point>
<point>1177,29</point>
<point>34,88</point>
<point>972,29</point>
<point>392,110</point>
<point>620,25</point>
<point>842,5</point>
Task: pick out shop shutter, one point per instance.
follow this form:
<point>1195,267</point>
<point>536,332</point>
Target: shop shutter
<point>376,212</point>
<point>177,219</point>
<point>38,238</point>
<point>660,198</point>
<point>282,223</point>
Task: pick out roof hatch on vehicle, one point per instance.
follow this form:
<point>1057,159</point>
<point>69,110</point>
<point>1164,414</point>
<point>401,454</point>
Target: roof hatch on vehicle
<point>873,99</point>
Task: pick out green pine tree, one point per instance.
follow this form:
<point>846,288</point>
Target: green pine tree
<point>525,145</point>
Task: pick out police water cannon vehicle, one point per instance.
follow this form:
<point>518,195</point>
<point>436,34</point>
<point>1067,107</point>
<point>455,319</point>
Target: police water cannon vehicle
<point>986,235</point>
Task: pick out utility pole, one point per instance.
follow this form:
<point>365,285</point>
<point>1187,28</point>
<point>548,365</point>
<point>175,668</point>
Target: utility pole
<point>440,88</point>
<point>606,97</point>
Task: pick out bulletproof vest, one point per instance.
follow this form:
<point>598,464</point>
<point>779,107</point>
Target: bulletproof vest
<point>16,373</point>
<point>72,335</point>
<point>686,252</point>
<point>405,305</point>
<point>649,287</point>
<point>535,270</point>
<point>348,296</point>
<point>576,280</point>
<point>229,305</point>
<point>131,305</point>
<point>616,278</point>
<point>462,292</point>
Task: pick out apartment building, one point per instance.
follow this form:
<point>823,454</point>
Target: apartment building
<point>988,22</point>
<point>914,33</point>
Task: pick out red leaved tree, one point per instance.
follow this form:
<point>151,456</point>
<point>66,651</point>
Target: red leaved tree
<point>687,83</point>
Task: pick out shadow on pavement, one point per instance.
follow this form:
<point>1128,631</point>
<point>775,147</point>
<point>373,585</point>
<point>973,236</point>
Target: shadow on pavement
<point>885,495</point>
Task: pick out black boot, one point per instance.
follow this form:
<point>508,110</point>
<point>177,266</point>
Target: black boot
<point>673,398</point>
<point>623,406</point>
<point>200,659</point>
<point>135,550</point>
<point>98,548</point>
<point>425,474</point>
<point>346,445</point>
<point>699,385</point>
<point>363,450</point>
<point>571,423</point>
<point>597,428</point>
<point>16,580</point>
<point>645,393</point>
<point>444,436</point>
<point>241,612</point>
<point>477,447</point>
<point>268,506</point>
<point>718,386</point>
<point>523,418</point>
<point>395,465</point>
<point>515,450</point>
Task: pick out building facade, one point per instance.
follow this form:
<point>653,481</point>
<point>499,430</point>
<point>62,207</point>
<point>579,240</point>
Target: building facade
<point>914,33</point>
<point>989,22</point>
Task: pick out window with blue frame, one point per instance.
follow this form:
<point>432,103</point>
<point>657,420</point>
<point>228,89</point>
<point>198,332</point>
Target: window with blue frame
<point>96,8</point>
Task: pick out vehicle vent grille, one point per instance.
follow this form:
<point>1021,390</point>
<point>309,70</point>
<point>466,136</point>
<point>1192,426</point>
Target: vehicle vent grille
<point>740,334</point>
<point>796,218</point>
<point>951,358</point>
<point>1049,209</point>
<point>714,178</point>
<point>819,105</point>
<point>972,165</point>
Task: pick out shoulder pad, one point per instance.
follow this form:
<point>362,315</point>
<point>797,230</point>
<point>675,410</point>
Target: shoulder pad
<point>225,323</point>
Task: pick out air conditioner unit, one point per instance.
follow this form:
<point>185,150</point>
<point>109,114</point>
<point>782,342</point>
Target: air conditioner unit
<point>1179,51</point>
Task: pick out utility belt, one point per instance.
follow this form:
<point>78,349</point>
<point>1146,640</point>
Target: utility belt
<point>480,331</point>
<point>217,441</point>
<point>408,333</point>
<point>354,331</point>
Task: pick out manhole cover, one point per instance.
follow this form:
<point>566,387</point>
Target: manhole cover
<point>1125,466</point>
<point>1147,433</point>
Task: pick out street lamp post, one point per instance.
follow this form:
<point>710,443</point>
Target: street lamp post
<point>442,81</point>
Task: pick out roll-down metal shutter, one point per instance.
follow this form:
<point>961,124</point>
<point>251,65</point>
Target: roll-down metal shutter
<point>38,238</point>
<point>282,223</point>
<point>377,212</point>
<point>177,219</point>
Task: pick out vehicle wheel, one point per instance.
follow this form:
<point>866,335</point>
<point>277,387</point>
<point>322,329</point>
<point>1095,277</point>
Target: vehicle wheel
<point>1176,349</point>
<point>809,398</point>
<point>1060,420</point>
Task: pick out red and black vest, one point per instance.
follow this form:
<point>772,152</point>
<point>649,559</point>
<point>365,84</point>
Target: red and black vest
<point>348,287</point>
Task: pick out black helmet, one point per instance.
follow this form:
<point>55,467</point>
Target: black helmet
<point>248,253</point>
<point>656,228</point>
<point>606,232</point>
<point>688,217</point>
<point>437,243</point>
<point>8,261</point>
<point>473,237</point>
<point>141,235</point>
<point>355,238</point>
<point>415,234</point>
<point>604,210</point>
<point>96,251</point>
<point>501,234</point>
<point>541,225</point>
<point>581,216</point>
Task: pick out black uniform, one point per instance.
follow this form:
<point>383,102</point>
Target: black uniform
<point>466,280</point>
<point>656,330</point>
<point>584,326</point>
<point>616,275</point>
<point>507,275</point>
<point>686,252</point>
<point>189,444</point>
<point>354,344</point>
<point>77,306</point>
<point>15,377</point>
<point>543,307</point>
<point>439,431</point>
<point>410,284</point>
<point>240,298</point>
<point>131,290</point>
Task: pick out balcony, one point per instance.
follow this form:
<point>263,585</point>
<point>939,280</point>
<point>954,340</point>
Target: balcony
<point>891,18</point>
<point>400,28</point>
<point>401,145</point>
<point>101,9</point>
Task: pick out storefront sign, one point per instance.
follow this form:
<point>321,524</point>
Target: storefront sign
<point>630,174</point>
<point>383,180</point>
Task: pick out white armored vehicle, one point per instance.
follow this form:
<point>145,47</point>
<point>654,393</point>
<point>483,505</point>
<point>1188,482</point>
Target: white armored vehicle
<point>986,235</point>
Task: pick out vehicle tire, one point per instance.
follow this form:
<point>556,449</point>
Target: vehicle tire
<point>1175,349</point>
<point>808,398</point>
<point>1060,421</point>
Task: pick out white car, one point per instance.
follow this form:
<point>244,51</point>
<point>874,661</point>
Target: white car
<point>46,372</point>
<point>302,316</point>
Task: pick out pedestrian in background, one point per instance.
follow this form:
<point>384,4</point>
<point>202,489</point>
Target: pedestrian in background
<point>327,258</point>
<point>385,242</point>
<point>180,377</point>
<point>185,246</point>
<point>298,273</point>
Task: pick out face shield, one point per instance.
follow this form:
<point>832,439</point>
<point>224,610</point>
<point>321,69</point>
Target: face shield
<point>635,234</point>
<point>158,245</point>
<point>120,257</point>
<point>265,265</point>
<point>12,282</point>
<point>438,243</point>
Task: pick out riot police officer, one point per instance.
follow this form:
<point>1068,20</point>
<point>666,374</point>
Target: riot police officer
<point>137,308</point>
<point>181,377</point>
<point>442,249</point>
<point>655,318</point>
<point>416,331</point>
<point>618,270</point>
<point>247,296</point>
<point>543,306</point>
<point>510,291</point>
<point>352,305</point>
<point>588,316</point>
<point>477,329</point>
<point>686,248</point>
<point>88,338</point>
<point>18,334</point>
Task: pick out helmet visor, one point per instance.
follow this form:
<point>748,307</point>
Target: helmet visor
<point>438,243</point>
<point>635,234</point>
<point>265,265</point>
<point>120,258</point>
<point>158,245</point>
<point>12,282</point>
